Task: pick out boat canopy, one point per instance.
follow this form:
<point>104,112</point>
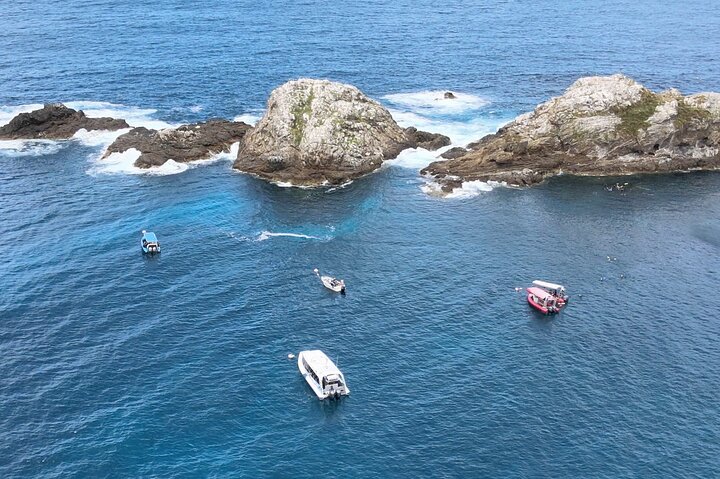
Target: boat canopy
<point>545,284</point>
<point>320,363</point>
<point>150,237</point>
<point>541,294</point>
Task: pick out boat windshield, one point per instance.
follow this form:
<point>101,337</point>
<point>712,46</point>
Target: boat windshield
<point>331,379</point>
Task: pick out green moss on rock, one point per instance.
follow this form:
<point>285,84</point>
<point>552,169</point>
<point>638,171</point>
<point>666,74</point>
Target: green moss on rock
<point>635,117</point>
<point>687,113</point>
<point>302,108</point>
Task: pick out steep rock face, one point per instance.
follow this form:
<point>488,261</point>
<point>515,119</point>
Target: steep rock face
<point>318,132</point>
<point>599,126</point>
<point>55,122</point>
<point>186,143</point>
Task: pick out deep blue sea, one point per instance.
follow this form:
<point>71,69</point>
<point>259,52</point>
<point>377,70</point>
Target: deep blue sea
<point>117,365</point>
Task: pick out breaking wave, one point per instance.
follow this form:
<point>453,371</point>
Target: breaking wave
<point>29,147</point>
<point>469,189</point>
<point>434,102</point>
<point>124,163</point>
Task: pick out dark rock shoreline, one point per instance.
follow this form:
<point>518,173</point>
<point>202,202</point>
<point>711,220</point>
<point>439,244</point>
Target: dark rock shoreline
<point>55,122</point>
<point>183,144</point>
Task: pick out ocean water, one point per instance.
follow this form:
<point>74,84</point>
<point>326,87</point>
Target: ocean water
<point>118,365</point>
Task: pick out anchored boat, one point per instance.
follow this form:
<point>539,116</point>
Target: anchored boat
<point>556,290</point>
<point>331,283</point>
<point>543,301</point>
<point>322,375</point>
<point>149,243</point>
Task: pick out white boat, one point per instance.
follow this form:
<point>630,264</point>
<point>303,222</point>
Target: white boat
<point>322,375</point>
<point>556,290</point>
<point>331,283</point>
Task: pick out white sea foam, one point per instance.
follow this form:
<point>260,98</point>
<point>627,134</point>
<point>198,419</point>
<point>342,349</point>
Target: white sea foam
<point>414,158</point>
<point>98,137</point>
<point>125,163</point>
<point>134,116</point>
<point>249,118</point>
<point>460,132</point>
<point>434,102</point>
<point>30,147</point>
<point>469,189</point>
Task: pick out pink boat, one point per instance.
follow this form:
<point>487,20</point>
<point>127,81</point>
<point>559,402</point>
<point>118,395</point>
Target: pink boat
<point>543,301</point>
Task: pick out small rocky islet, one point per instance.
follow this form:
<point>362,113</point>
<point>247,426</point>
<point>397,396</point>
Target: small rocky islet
<point>600,126</point>
<point>317,132</point>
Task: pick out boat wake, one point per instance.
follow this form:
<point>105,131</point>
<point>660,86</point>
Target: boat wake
<point>266,235</point>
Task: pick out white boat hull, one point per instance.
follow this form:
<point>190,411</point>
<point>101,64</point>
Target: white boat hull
<point>315,386</point>
<point>327,281</point>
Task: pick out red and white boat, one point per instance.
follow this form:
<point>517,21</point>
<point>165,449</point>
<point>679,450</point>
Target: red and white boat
<point>557,290</point>
<point>543,301</point>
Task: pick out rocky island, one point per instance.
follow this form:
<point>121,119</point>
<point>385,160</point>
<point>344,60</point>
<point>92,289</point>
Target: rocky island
<point>317,132</point>
<point>183,144</point>
<point>600,126</point>
<point>55,121</point>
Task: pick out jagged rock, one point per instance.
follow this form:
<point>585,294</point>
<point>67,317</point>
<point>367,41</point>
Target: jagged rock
<point>599,126</point>
<point>186,143</point>
<point>449,95</point>
<point>317,132</point>
<point>55,122</point>
<point>455,152</point>
<point>422,139</point>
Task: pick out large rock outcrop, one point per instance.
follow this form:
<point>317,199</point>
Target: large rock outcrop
<point>55,122</point>
<point>599,126</point>
<point>317,132</point>
<point>186,143</point>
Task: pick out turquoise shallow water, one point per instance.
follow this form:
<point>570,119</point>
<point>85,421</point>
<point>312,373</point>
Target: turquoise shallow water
<point>117,365</point>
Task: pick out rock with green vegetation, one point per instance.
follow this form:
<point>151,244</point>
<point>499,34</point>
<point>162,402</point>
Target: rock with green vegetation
<point>317,132</point>
<point>600,126</point>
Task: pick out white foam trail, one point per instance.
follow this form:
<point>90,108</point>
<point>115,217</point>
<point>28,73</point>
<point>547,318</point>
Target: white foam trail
<point>249,118</point>
<point>196,108</point>
<point>30,147</point>
<point>265,235</point>
<point>434,102</point>
<point>7,112</point>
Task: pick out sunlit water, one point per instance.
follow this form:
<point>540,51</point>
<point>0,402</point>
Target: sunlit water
<point>114,364</point>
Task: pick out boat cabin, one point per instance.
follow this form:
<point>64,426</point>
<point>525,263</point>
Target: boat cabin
<point>552,288</point>
<point>322,375</point>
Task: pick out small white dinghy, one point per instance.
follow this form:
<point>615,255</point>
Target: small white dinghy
<point>331,283</point>
<point>322,375</point>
